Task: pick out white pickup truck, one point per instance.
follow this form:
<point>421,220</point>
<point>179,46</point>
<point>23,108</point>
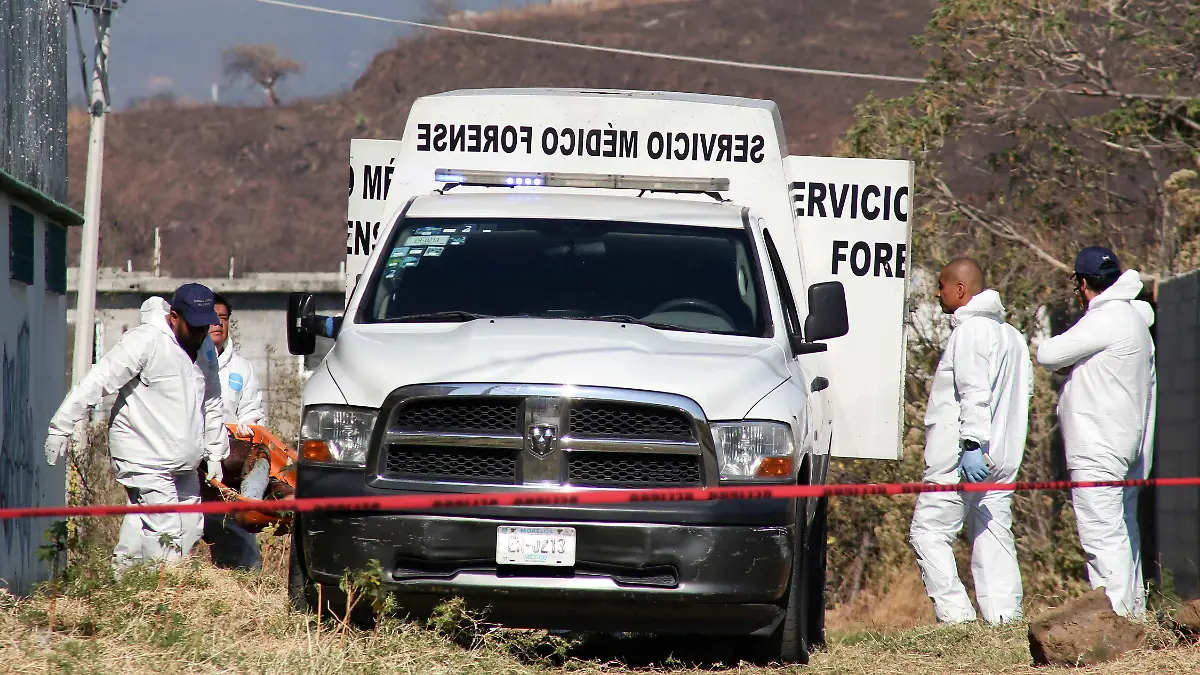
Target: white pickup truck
<point>552,290</point>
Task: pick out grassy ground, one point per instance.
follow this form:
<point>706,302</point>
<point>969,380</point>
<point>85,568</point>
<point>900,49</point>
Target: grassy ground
<point>192,618</point>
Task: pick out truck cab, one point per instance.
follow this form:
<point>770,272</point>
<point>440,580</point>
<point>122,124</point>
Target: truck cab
<point>550,295</point>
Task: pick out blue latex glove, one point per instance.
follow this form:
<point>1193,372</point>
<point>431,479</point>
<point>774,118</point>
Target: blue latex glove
<point>973,467</point>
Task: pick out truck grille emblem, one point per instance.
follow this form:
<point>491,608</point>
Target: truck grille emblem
<point>543,439</point>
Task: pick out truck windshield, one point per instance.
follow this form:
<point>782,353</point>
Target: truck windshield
<point>670,277</point>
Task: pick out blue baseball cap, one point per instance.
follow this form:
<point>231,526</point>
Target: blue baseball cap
<point>1097,261</point>
<point>194,302</point>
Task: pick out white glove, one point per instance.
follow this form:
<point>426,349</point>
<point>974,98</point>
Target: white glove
<point>213,470</point>
<point>56,447</point>
<point>244,431</point>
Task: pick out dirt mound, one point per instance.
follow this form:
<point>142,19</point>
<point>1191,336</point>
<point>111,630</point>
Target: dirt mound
<point>1083,632</point>
<point>267,185</point>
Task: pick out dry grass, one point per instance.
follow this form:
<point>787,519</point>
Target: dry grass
<point>899,604</point>
<point>198,619</point>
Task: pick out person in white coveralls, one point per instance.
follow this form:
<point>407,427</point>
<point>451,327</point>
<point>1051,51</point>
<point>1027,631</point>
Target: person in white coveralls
<point>167,418</point>
<point>231,544</point>
<point>1106,412</point>
<point>242,398</point>
<point>976,421</point>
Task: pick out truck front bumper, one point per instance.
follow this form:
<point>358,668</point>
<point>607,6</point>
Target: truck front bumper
<point>639,577</point>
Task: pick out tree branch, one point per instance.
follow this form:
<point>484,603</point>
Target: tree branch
<point>998,227</point>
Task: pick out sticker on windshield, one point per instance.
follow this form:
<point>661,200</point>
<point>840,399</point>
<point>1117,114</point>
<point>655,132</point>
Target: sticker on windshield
<point>449,230</point>
<point>398,253</point>
<point>457,241</point>
<point>425,231</point>
<point>416,251</point>
<point>468,229</point>
<point>434,251</point>
<point>426,241</point>
<point>411,261</point>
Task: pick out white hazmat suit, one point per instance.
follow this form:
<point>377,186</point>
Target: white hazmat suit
<point>1106,412</point>
<point>980,392</point>
<point>242,399</point>
<point>231,544</point>
<point>166,419</point>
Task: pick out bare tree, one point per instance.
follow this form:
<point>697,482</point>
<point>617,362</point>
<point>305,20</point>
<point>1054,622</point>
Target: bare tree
<point>262,64</point>
<point>1043,126</point>
<point>440,11</point>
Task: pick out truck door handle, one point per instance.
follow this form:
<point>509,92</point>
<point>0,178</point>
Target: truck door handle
<point>819,384</point>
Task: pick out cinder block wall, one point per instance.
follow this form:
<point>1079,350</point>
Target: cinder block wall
<point>1177,451</point>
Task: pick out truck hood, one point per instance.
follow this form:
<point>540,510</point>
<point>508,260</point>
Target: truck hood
<point>726,375</point>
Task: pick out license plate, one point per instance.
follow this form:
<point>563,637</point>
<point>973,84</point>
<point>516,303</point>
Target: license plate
<point>545,546</point>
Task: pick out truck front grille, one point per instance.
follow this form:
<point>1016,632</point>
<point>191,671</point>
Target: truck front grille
<point>600,419</point>
<point>452,464</point>
<point>459,416</point>
<point>543,435</point>
<point>632,469</point>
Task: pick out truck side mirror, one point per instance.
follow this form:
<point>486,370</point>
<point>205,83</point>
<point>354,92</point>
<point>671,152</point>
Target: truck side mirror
<point>827,317</point>
<point>301,341</point>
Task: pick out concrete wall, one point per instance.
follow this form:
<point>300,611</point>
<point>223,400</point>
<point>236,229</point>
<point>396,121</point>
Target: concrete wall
<point>1177,447</point>
<point>258,323</point>
<point>33,338</point>
<point>33,94</point>
<point>33,351</point>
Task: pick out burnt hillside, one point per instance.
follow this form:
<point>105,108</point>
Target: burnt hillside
<point>267,185</point>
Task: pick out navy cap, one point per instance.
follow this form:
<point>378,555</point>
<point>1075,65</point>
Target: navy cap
<point>194,302</point>
<point>1097,261</point>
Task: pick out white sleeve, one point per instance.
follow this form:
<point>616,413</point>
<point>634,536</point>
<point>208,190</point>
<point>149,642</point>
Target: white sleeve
<point>250,405</point>
<point>216,440</point>
<point>114,370</point>
<point>972,380</point>
<point>1085,338</point>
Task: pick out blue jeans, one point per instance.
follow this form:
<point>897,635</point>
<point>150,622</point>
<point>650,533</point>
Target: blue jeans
<point>231,545</point>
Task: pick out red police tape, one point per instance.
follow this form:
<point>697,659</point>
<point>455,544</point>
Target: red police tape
<point>571,497</point>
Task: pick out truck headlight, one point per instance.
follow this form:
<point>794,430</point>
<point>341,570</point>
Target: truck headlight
<point>336,434</point>
<point>754,450</point>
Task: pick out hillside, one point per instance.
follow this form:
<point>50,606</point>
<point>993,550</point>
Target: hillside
<point>267,185</point>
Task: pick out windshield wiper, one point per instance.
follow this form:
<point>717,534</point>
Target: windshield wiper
<point>433,317</point>
<point>625,318</point>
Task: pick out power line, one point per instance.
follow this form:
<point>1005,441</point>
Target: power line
<point>609,50</point>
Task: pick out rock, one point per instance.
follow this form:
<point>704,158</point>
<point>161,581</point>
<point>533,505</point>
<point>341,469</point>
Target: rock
<point>1187,619</point>
<point>1083,632</point>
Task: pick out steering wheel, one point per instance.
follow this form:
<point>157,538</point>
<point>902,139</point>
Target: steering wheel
<point>695,304</point>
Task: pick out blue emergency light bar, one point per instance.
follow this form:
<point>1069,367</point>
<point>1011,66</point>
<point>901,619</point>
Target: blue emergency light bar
<point>580,180</point>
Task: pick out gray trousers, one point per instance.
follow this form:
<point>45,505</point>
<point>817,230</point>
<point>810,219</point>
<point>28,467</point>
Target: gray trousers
<point>156,536</point>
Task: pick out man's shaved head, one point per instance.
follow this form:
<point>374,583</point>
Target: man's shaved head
<point>968,271</point>
<point>961,280</point>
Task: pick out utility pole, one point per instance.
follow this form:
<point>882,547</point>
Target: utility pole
<point>99,100</point>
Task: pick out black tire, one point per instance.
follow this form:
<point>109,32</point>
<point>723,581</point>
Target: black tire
<point>789,642</point>
<point>297,578</point>
<point>818,536</point>
<point>305,594</point>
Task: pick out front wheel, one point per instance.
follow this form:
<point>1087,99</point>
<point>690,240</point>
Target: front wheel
<point>297,580</point>
<point>789,643</point>
<point>818,535</point>
<point>306,596</point>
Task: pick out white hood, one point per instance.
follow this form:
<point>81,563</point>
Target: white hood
<point>1126,288</point>
<point>155,310</point>
<point>986,303</point>
<point>726,375</point>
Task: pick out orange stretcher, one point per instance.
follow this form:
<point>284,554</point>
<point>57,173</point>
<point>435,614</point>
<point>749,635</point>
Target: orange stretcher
<point>250,457</point>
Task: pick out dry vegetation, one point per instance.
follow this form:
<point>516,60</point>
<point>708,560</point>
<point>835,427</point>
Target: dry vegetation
<point>193,618</point>
<point>190,617</point>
